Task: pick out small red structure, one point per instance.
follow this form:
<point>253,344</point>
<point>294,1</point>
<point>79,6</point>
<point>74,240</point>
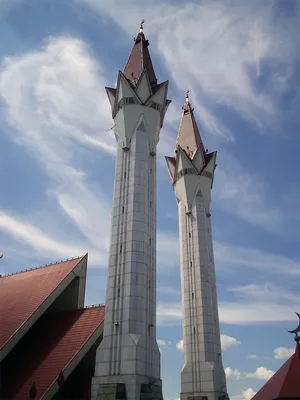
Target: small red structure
<point>285,383</point>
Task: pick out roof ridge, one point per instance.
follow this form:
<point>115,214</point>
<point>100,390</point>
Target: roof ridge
<point>42,266</point>
<point>94,306</point>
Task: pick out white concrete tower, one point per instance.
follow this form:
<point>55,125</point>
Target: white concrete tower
<point>128,359</point>
<point>192,173</point>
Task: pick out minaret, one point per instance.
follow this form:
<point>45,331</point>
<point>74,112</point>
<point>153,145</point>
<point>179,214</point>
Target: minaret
<point>192,173</point>
<point>128,359</point>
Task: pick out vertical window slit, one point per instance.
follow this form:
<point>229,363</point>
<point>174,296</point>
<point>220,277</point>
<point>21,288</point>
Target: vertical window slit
<point>191,263</point>
<point>123,210</point>
<point>118,292</point>
<point>194,330</point>
<point>120,248</point>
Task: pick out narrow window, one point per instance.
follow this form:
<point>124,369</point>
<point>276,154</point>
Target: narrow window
<point>124,174</point>
<point>150,170</point>
<point>120,248</point>
<point>123,209</point>
<point>190,235</point>
<point>118,292</point>
<point>191,263</point>
<point>150,241</point>
<point>150,204</point>
<point>193,296</point>
<point>194,330</point>
<point>149,284</point>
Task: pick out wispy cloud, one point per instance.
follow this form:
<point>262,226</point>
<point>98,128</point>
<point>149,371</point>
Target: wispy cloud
<point>253,304</point>
<point>52,99</point>
<point>28,234</point>
<point>230,257</point>
<point>243,194</point>
<point>221,49</point>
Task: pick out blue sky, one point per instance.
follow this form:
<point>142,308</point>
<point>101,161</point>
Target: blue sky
<point>241,62</point>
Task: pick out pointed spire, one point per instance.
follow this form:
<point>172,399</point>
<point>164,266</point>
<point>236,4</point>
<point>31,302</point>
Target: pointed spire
<point>189,138</point>
<point>139,59</point>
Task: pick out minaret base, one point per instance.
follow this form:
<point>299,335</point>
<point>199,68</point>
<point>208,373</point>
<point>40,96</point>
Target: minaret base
<point>204,396</point>
<point>132,387</point>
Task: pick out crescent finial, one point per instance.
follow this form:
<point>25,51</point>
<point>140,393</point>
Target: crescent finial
<point>187,96</point>
<point>296,330</point>
<point>142,25</point>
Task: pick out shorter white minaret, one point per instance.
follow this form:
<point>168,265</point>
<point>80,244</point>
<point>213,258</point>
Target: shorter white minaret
<point>192,173</point>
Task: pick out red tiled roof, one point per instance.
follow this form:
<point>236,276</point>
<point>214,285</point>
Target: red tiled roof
<point>49,348</point>
<point>189,136</point>
<point>21,294</point>
<point>140,60</point>
<point>285,383</point>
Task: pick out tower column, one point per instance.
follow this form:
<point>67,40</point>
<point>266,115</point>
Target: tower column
<point>128,358</point>
<point>192,171</point>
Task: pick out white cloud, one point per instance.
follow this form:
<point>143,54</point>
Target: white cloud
<point>246,395</point>
<point>179,345</point>
<point>162,343</point>
<point>260,373</point>
<point>252,357</point>
<point>233,373</point>
<point>228,341</point>
<point>283,353</point>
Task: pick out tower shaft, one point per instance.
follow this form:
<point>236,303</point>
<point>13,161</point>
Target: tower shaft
<point>128,359</point>
<point>202,373</point>
<point>192,172</point>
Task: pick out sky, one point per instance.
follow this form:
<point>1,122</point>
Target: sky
<point>241,62</point>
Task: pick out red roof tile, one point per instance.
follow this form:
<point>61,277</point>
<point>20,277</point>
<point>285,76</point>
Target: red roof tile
<point>140,60</point>
<point>21,294</point>
<point>285,383</point>
<point>189,136</point>
<point>49,348</point>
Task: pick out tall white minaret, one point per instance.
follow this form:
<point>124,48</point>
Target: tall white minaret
<point>128,359</point>
<point>192,173</point>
